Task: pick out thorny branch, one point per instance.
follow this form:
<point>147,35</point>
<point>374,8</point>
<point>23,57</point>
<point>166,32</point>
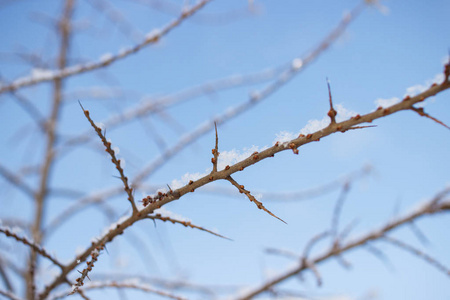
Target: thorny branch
<point>36,247</point>
<point>185,224</point>
<point>302,140</point>
<point>435,206</point>
<point>251,197</point>
<point>114,160</point>
<point>297,65</point>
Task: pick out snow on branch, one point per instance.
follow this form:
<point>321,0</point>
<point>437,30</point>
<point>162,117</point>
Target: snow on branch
<point>38,248</point>
<point>38,75</point>
<point>225,174</point>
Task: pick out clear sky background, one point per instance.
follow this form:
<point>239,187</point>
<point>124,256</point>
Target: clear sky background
<point>385,53</point>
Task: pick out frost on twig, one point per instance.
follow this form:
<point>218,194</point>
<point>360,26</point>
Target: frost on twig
<point>251,197</point>
<point>10,233</point>
<point>114,160</point>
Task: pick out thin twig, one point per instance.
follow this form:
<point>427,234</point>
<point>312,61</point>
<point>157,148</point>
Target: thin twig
<point>215,152</point>
<point>422,113</point>
<point>36,247</point>
<point>252,198</point>
<point>332,112</point>
<point>337,212</point>
<point>114,160</point>
<point>16,181</point>
<point>184,223</point>
<point>427,258</point>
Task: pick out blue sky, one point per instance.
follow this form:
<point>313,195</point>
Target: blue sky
<point>380,56</point>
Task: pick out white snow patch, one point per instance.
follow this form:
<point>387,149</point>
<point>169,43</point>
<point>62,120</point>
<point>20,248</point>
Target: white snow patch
<point>123,163</point>
<point>106,57</point>
<point>419,88</point>
<point>297,63</point>
<point>386,102</point>
<point>315,125</point>
<point>178,183</point>
<point>38,73</point>
<point>233,156</point>
<point>100,125</point>
<point>167,213</point>
<point>284,136</point>
<point>152,34</point>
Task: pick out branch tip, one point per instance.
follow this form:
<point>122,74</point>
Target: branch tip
<point>258,204</point>
<point>332,112</point>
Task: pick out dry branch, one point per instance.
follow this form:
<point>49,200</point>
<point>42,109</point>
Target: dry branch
<point>36,247</point>
<point>227,172</point>
<point>252,198</point>
<point>16,181</point>
<point>427,258</point>
<point>114,160</point>
<point>422,113</point>
<point>215,152</point>
<point>434,206</point>
<point>297,65</point>
<point>184,223</point>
